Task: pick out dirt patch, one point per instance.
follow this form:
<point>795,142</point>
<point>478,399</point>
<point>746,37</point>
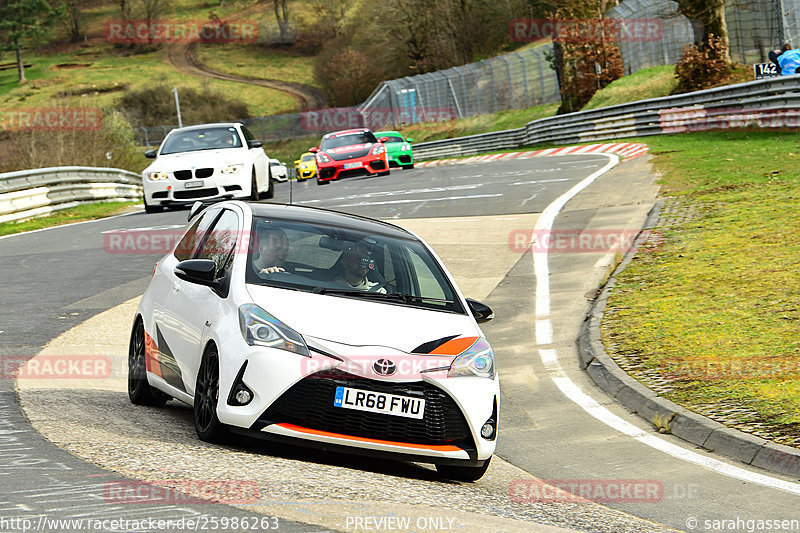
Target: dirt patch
<point>71,66</point>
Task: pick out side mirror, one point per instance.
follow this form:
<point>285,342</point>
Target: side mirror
<point>313,150</point>
<point>384,139</point>
<point>150,154</point>
<point>410,140</point>
<point>481,312</point>
<point>200,271</point>
<point>254,143</point>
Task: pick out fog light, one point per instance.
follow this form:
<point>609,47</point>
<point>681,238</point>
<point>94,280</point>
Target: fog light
<point>243,396</point>
<point>488,429</point>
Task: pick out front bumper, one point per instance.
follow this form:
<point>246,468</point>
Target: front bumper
<point>335,169</point>
<point>401,159</point>
<point>172,191</point>
<point>290,403</point>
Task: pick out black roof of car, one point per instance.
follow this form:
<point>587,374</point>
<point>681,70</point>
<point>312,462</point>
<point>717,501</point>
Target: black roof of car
<point>326,217</point>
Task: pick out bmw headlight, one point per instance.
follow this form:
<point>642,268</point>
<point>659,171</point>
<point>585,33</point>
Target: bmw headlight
<point>233,169</point>
<point>260,328</point>
<point>379,149</point>
<point>322,157</point>
<point>157,176</point>
<point>477,360</point>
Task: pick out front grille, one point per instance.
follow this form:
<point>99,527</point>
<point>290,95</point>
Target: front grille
<point>378,165</point>
<point>160,194</point>
<point>203,173</point>
<point>229,188</point>
<point>349,155</point>
<point>194,193</point>
<point>326,173</point>
<point>405,159</point>
<point>183,174</point>
<point>309,403</point>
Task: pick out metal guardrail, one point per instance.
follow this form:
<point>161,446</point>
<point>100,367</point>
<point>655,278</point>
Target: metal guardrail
<point>765,103</point>
<point>30,193</point>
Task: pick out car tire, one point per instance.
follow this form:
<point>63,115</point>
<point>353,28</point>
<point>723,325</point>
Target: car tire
<point>253,187</point>
<point>206,397</point>
<point>139,390</point>
<point>150,209</point>
<point>463,473</point>
<point>408,167</point>
<point>270,189</point>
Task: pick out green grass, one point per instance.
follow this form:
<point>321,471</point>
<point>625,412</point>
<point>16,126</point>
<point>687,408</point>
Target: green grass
<point>256,61</point>
<point>67,216</point>
<point>647,83</point>
<point>721,287</point>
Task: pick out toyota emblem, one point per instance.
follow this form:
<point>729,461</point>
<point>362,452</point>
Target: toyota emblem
<point>384,367</point>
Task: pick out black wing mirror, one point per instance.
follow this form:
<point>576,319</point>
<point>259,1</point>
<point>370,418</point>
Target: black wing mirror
<point>481,311</point>
<point>150,154</point>
<point>254,143</point>
<point>200,271</point>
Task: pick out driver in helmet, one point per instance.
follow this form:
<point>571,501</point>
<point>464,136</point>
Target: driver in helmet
<point>357,262</point>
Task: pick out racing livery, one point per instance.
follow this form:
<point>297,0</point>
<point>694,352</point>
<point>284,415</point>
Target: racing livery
<point>350,153</point>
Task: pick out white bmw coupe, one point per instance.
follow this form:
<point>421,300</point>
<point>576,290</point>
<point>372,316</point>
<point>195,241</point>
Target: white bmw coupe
<point>322,328</point>
<point>206,162</point>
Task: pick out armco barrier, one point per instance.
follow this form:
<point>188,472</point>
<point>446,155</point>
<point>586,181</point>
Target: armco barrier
<point>765,103</point>
<point>30,193</point>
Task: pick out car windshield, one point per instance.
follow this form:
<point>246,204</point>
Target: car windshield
<point>274,163</point>
<point>392,136</point>
<point>307,158</point>
<point>201,139</point>
<point>348,263</point>
<point>349,139</point>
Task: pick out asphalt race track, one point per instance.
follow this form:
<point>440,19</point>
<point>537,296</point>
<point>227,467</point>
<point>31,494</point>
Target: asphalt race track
<point>68,291</point>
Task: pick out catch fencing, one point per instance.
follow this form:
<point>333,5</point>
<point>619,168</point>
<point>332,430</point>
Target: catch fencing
<point>754,28</point>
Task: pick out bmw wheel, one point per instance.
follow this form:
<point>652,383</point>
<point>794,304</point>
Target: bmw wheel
<point>270,189</point>
<point>206,396</point>
<point>139,390</point>
<point>463,473</point>
<point>149,209</point>
<point>254,187</point>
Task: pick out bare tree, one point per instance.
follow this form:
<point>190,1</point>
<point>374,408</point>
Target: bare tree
<point>72,18</point>
<point>708,19</point>
<point>282,14</point>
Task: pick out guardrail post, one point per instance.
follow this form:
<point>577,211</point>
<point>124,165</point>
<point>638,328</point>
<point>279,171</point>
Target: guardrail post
<point>524,78</point>
<point>494,89</point>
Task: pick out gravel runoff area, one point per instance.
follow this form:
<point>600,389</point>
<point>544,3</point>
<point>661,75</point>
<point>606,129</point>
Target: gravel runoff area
<point>93,419</point>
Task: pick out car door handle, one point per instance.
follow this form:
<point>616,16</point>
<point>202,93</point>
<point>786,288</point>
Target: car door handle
<point>175,287</point>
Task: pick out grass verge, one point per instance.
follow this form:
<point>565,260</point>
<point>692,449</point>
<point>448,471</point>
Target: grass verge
<point>708,312</point>
<point>67,216</point>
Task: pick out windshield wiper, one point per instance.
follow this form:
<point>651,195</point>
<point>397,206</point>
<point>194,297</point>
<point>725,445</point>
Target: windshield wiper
<point>397,296</point>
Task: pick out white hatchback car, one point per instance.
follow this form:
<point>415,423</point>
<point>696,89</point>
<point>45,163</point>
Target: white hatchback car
<point>206,162</point>
<point>278,170</point>
<point>321,328</point>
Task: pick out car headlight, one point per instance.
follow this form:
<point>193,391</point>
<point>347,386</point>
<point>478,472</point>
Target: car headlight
<point>260,328</point>
<point>379,149</point>
<point>233,169</point>
<point>322,157</point>
<point>405,147</point>
<point>477,360</point>
<point>157,176</point>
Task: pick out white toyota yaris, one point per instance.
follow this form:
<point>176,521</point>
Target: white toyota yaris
<point>205,162</point>
<point>323,328</point>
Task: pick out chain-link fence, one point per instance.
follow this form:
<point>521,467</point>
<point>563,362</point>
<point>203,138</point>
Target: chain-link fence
<point>650,33</point>
<point>512,81</point>
<point>754,28</point>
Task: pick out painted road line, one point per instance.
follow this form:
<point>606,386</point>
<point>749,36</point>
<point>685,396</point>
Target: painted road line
<point>549,357</point>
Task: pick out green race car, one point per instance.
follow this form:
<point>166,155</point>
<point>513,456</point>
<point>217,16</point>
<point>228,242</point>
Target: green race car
<point>398,149</point>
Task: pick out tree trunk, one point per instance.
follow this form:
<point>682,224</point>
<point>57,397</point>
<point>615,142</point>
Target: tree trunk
<point>20,65</point>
